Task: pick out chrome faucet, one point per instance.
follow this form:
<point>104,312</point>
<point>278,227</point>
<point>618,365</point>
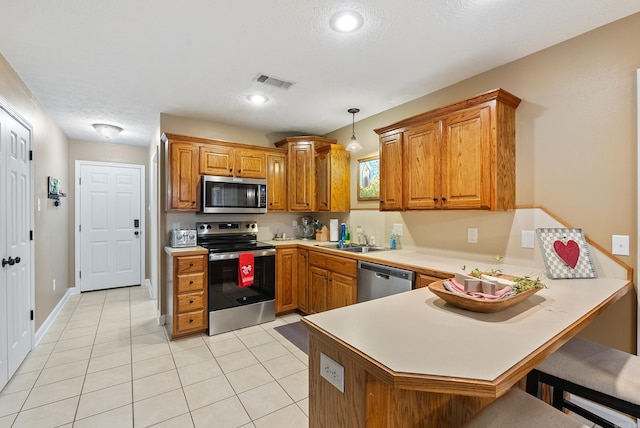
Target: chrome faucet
<point>366,239</point>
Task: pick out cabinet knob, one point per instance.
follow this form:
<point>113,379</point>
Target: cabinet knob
<point>190,320</point>
<point>444,199</point>
<point>190,282</point>
<point>230,169</point>
<point>190,301</point>
<point>193,202</point>
<point>239,171</point>
<point>435,199</point>
<point>190,264</point>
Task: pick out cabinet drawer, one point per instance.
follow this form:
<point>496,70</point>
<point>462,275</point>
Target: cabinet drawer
<point>190,302</point>
<point>188,264</point>
<point>337,264</point>
<point>190,321</point>
<point>190,282</point>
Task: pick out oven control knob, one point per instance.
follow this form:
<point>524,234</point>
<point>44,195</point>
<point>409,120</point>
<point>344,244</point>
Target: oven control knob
<point>202,227</point>
<point>208,226</point>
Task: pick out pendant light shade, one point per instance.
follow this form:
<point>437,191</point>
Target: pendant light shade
<point>353,145</point>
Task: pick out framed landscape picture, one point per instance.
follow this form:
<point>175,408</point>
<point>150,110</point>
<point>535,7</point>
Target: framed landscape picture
<point>369,178</point>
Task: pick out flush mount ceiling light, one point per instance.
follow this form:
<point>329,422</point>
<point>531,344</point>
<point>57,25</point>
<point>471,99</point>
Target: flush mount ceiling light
<point>353,145</point>
<point>107,131</point>
<point>257,98</point>
<point>346,21</point>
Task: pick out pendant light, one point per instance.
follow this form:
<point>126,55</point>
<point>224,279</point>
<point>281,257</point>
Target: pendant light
<point>353,145</point>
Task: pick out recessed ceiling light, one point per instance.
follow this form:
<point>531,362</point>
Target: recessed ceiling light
<point>346,21</point>
<point>257,99</point>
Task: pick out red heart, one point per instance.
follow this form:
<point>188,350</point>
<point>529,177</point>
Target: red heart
<point>568,253</point>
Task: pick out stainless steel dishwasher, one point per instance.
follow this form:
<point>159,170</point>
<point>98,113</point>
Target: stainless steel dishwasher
<point>375,281</point>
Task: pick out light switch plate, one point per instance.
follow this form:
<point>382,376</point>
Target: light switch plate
<point>398,229</point>
<point>528,239</point>
<point>332,371</point>
<point>620,245</point>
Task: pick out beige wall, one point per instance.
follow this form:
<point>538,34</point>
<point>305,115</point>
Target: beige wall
<point>102,152</point>
<point>50,149</point>
<point>576,151</point>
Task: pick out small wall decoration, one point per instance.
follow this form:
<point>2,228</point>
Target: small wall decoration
<point>54,190</point>
<point>369,178</point>
<point>565,253</point>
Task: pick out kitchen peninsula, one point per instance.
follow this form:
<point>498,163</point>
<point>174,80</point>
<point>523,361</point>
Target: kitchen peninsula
<point>413,360</point>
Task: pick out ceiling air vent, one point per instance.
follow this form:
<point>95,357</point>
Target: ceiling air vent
<point>272,81</point>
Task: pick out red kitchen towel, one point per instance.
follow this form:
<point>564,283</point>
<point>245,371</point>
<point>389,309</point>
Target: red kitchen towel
<point>245,269</point>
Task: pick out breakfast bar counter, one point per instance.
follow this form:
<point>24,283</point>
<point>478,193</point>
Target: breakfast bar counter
<point>413,360</point>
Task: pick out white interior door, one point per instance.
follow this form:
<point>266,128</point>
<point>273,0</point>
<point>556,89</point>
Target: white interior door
<point>15,245</point>
<point>4,367</point>
<point>111,226</point>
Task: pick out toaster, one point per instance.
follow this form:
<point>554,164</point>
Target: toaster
<point>180,238</point>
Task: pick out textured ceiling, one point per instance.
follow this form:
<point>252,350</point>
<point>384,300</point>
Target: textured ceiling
<point>124,62</point>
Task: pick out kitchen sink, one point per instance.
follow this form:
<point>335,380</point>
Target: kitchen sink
<point>362,249</point>
<point>354,248</point>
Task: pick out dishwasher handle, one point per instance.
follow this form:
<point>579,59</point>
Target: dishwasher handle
<point>387,271</point>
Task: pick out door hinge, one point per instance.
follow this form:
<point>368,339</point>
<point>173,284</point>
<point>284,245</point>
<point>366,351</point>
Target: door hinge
<point>30,155</point>
<point>31,235</point>
<point>31,314</point>
<point>80,274</point>
<point>79,181</point>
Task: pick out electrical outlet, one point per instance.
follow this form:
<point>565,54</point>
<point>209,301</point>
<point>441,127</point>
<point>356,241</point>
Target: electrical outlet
<point>472,235</point>
<point>332,371</point>
<point>398,229</point>
<point>620,245</point>
<point>528,239</point>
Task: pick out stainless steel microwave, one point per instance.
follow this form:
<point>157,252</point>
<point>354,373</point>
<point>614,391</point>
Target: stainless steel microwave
<point>230,195</point>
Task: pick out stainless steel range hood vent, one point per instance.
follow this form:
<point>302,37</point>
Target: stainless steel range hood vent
<point>272,81</point>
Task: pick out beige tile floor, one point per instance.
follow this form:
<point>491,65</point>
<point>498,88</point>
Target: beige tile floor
<point>106,363</point>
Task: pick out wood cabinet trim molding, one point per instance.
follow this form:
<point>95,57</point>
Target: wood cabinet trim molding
<point>494,95</point>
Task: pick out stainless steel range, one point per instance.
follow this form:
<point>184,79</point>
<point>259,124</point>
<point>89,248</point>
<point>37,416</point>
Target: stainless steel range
<point>232,306</point>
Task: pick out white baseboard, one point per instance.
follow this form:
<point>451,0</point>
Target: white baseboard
<point>52,316</point>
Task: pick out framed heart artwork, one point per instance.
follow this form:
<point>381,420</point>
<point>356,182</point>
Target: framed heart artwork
<point>565,253</point>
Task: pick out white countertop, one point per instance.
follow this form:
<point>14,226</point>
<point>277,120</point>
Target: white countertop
<point>417,332</point>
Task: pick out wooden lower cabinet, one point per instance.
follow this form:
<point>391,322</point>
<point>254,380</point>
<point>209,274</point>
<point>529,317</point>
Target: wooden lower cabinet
<point>333,282</point>
<point>186,293</point>
<point>286,280</point>
<point>302,257</point>
<point>423,280</point>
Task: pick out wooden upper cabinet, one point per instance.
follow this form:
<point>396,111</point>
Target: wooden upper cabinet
<point>301,170</point>
<point>461,156</point>
<point>391,172</point>
<point>466,159</point>
<point>216,160</point>
<point>301,179</point>
<point>183,177</point>
<point>332,179</point>
<point>228,161</point>
<point>422,161</point>
<point>276,182</point>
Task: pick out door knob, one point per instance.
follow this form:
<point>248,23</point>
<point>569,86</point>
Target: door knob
<point>136,233</point>
<point>17,260</point>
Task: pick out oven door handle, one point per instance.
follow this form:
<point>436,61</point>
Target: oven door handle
<point>236,255</point>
